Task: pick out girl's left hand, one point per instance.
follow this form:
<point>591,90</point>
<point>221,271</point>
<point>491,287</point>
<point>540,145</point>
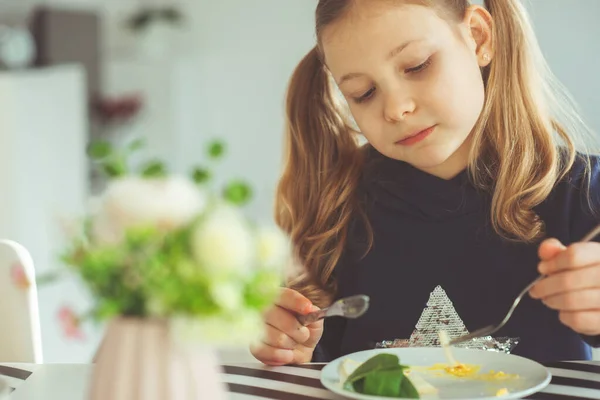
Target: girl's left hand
<point>573,283</point>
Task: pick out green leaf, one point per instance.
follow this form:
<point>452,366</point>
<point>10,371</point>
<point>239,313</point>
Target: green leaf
<point>381,375</point>
<point>216,149</point>
<point>48,277</point>
<point>172,15</point>
<point>201,175</point>
<point>237,192</point>
<point>107,309</point>
<point>408,390</point>
<point>115,168</point>
<point>99,150</point>
<point>262,290</point>
<point>154,169</point>
<point>136,144</point>
<point>375,363</point>
<point>385,382</point>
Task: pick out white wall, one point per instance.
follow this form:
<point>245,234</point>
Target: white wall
<point>43,180</point>
<point>246,53</point>
<point>568,35</point>
<point>230,76</point>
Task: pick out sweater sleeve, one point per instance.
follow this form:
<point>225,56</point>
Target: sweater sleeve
<point>329,347</point>
<point>584,199</point>
<point>583,193</point>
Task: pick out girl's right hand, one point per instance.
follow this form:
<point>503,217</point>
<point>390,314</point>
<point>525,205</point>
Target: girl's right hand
<point>285,340</point>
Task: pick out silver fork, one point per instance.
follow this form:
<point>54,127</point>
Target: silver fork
<point>490,329</point>
<point>348,307</point>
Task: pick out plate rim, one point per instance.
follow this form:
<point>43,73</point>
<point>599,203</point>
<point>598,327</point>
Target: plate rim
<point>358,396</point>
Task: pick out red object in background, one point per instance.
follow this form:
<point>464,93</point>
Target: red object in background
<point>69,323</point>
<point>117,109</point>
<point>19,278</point>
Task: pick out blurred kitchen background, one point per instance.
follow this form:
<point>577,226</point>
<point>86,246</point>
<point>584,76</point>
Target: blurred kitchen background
<point>177,73</point>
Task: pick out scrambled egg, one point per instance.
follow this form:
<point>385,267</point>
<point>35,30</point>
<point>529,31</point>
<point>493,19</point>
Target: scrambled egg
<point>472,371</point>
<point>502,392</point>
<point>462,370</point>
<point>459,370</point>
<point>498,376</point>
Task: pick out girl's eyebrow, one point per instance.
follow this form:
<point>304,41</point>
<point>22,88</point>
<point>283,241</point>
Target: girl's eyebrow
<point>397,50</point>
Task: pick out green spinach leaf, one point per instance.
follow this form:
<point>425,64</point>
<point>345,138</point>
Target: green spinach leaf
<point>381,375</point>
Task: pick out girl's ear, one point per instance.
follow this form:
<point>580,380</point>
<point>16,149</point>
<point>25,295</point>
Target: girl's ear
<point>479,23</point>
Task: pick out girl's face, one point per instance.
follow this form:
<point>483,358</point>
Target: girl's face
<point>412,80</point>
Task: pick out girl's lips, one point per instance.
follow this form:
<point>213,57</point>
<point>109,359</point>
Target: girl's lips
<point>419,136</point>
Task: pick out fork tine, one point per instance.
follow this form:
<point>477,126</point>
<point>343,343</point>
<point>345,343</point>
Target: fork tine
<point>488,330</point>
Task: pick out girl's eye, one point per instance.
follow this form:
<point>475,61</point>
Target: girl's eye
<point>420,67</point>
<point>369,93</point>
<point>366,96</point>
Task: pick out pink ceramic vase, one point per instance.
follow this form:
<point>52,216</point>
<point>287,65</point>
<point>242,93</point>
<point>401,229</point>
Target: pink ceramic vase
<point>138,361</point>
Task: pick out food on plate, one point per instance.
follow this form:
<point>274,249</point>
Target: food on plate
<point>381,375</point>
<point>384,375</point>
<point>497,376</point>
<point>444,342</point>
<point>460,370</point>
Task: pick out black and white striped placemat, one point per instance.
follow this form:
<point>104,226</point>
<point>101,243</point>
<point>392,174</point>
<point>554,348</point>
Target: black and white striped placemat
<point>570,381</point>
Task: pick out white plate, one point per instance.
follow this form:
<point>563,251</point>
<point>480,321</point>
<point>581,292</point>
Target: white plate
<point>4,391</point>
<point>532,377</point>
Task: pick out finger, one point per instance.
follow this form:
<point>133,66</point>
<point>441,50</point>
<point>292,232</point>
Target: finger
<point>577,255</point>
<point>584,322</point>
<point>550,248</point>
<point>316,331</point>
<point>582,300</point>
<point>270,355</point>
<point>294,301</point>
<point>275,338</point>
<point>567,281</point>
<point>287,323</point>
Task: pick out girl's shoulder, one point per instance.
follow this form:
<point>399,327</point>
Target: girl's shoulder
<point>573,206</point>
<point>582,180</point>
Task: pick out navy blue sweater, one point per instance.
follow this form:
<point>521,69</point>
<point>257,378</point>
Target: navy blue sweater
<point>436,261</point>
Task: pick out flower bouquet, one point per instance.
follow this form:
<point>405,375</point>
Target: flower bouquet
<point>177,270</point>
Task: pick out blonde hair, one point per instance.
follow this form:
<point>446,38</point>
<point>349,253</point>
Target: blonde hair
<point>527,117</point>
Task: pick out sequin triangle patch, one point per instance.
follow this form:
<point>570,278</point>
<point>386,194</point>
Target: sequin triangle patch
<point>440,314</point>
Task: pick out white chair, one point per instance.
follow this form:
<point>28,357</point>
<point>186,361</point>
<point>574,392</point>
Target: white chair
<point>20,335</point>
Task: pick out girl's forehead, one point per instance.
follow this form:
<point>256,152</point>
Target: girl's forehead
<point>380,30</point>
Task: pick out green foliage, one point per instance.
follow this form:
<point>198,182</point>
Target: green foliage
<point>201,175</point>
<point>154,169</point>
<point>151,271</point>
<point>216,149</point>
<point>237,192</point>
<point>382,375</point>
<point>146,16</point>
<point>114,163</point>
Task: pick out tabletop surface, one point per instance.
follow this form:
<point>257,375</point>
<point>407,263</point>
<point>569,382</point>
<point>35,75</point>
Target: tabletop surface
<point>570,381</point>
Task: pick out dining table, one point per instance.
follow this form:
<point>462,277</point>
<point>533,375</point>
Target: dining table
<point>570,380</point>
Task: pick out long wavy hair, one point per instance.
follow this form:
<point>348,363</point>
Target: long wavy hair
<point>527,118</point>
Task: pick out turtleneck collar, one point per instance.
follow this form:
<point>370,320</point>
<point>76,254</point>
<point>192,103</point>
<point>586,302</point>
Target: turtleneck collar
<point>399,185</point>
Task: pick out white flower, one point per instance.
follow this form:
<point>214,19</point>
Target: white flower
<point>228,295</point>
<point>223,331</point>
<point>223,243</point>
<point>273,248</point>
<point>166,203</point>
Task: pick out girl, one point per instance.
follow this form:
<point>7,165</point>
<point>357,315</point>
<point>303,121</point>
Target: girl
<point>466,189</point>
